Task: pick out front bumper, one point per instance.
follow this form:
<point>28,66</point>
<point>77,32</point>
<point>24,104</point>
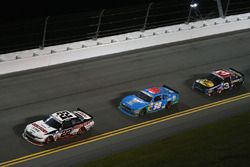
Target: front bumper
<point>32,139</point>
<point>127,112</point>
<point>201,88</point>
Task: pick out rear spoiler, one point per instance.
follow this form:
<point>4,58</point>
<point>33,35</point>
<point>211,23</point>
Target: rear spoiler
<point>235,71</point>
<point>165,86</point>
<point>79,109</point>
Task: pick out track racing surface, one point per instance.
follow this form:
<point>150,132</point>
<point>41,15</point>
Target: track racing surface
<point>97,86</point>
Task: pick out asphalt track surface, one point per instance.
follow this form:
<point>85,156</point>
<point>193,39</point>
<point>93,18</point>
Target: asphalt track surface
<point>97,85</point>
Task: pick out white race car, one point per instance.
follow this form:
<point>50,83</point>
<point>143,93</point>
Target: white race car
<point>61,124</point>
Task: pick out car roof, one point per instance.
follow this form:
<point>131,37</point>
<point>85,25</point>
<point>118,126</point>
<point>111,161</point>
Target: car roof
<point>63,115</point>
<point>154,91</point>
<point>222,73</point>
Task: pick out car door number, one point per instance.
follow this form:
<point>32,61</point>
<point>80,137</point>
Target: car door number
<point>157,105</point>
<point>226,85</point>
<point>66,132</point>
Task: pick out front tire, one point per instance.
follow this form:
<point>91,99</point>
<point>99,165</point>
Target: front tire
<point>219,91</point>
<point>49,139</point>
<point>142,112</point>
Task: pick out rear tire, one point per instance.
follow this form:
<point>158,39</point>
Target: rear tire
<point>168,106</point>
<point>237,85</point>
<point>81,131</point>
<point>142,112</point>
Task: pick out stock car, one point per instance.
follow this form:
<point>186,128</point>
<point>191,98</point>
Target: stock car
<point>149,100</point>
<point>218,81</point>
<point>59,125</point>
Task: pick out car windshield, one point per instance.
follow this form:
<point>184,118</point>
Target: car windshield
<point>143,96</point>
<point>52,122</point>
<point>215,79</point>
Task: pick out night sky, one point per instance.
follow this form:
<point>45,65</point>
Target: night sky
<point>13,10</point>
<point>19,10</point>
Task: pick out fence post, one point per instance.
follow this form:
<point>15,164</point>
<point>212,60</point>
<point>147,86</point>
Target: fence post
<point>146,17</point>
<point>99,24</point>
<point>192,6</point>
<point>228,2</point>
<point>220,8</point>
<point>189,15</point>
<point>44,32</point>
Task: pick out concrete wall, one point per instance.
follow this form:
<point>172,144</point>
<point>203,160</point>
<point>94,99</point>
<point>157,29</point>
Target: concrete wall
<point>30,59</point>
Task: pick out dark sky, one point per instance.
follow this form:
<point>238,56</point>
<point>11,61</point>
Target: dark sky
<point>22,9</point>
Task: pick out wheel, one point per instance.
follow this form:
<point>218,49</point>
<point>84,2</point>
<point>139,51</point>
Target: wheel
<point>242,82</point>
<point>82,130</point>
<point>49,140</point>
<point>168,106</point>
<point>237,85</point>
<point>142,112</point>
<point>219,91</point>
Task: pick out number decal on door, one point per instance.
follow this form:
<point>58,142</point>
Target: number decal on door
<point>226,85</point>
<point>157,105</point>
<point>66,132</point>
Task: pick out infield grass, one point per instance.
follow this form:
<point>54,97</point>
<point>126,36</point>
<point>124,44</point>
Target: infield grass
<point>222,144</point>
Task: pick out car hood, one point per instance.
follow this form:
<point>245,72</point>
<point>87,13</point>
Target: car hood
<point>205,82</point>
<point>134,102</point>
<point>39,128</point>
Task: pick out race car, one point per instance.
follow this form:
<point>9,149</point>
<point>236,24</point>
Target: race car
<point>59,125</point>
<point>149,100</point>
<point>218,81</point>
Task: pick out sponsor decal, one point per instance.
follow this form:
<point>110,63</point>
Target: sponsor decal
<point>237,80</point>
<point>40,128</point>
<point>154,90</point>
<point>170,91</point>
<point>223,73</point>
<point>206,82</point>
<point>85,116</point>
<point>157,105</point>
<point>135,100</point>
<point>174,98</point>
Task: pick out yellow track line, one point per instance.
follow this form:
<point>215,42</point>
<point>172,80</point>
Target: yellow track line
<point>122,130</point>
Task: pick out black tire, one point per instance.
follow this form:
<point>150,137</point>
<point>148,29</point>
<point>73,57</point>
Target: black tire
<point>237,85</point>
<point>168,106</point>
<point>142,112</point>
<point>49,139</point>
<point>81,131</point>
<point>219,91</point>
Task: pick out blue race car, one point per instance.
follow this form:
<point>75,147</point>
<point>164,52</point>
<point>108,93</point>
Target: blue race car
<point>149,101</point>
